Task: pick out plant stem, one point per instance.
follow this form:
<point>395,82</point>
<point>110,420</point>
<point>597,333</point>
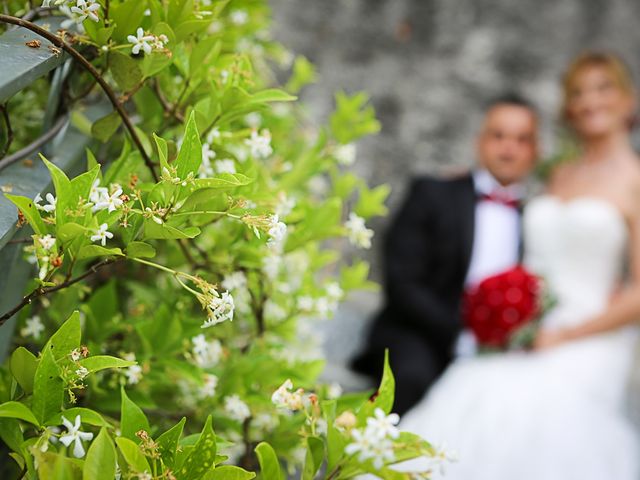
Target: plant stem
<point>60,43</point>
<point>40,291</point>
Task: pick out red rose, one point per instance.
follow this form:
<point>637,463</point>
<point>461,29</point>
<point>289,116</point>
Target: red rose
<point>501,304</point>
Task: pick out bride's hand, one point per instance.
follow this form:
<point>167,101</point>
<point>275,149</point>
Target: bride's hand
<point>549,338</point>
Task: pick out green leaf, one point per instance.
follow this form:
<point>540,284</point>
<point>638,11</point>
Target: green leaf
<point>224,181</point>
<point>30,212</point>
<point>140,250</point>
<point>383,398</point>
<point>23,366</point>
<point>269,464</point>
<point>62,185</point>
<point>90,251</point>
<point>271,95</point>
<point>335,440</point>
<point>48,389</point>
<point>100,463</point>
<point>81,185</point>
<point>314,457</point>
<point>352,118</point>
<point>132,418</point>
<point>190,155</point>
<point>304,73</point>
<point>152,230</point>
<point>66,338</point>
<point>202,457</point>
<point>11,434</point>
<point>355,277</point>
<point>90,417</point>
<point>127,17</point>
<point>102,362</point>
<point>168,442</point>
<point>104,128</point>
<point>163,151</point>
<point>18,410</point>
<point>229,472</point>
<point>371,201</point>
<point>132,455</point>
<point>69,231</point>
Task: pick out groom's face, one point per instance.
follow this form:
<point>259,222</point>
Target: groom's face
<point>507,143</point>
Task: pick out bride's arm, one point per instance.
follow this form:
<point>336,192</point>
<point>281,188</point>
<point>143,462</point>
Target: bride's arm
<point>624,310</point>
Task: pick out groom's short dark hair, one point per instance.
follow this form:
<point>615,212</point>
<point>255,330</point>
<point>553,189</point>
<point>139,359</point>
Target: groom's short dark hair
<point>511,98</point>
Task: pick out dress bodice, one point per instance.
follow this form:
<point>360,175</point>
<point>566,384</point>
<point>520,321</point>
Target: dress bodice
<point>578,247</point>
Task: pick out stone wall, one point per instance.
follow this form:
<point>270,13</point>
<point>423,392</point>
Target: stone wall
<point>429,65</point>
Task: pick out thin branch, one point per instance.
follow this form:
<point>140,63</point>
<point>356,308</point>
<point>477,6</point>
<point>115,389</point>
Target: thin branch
<point>39,292</point>
<point>60,43</point>
<point>7,121</point>
<point>169,110</point>
<point>35,145</point>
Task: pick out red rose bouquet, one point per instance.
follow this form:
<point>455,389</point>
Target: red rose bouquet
<point>502,310</point>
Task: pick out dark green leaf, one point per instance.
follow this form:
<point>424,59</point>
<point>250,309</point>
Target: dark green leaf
<point>23,366</point>
<point>132,418</point>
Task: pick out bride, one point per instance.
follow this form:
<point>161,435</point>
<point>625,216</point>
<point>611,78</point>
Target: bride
<point>559,412</point>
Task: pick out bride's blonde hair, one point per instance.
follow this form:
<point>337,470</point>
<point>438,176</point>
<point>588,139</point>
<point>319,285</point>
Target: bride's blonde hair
<point>613,64</point>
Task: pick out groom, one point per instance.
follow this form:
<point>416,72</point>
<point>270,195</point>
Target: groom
<point>450,234</point>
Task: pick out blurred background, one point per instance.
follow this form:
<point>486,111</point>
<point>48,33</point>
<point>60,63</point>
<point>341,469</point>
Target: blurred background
<point>429,66</point>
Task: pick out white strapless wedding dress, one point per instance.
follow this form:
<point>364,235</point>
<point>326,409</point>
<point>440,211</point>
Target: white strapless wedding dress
<point>559,414</point>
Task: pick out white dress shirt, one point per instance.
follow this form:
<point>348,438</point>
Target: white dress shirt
<point>496,239</point>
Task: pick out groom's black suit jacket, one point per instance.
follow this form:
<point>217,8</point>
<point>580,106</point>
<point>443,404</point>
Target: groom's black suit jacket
<point>426,256</point>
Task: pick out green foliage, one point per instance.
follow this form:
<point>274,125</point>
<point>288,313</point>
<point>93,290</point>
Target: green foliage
<point>190,299</point>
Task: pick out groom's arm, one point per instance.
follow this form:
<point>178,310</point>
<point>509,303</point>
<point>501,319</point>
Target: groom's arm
<point>407,256</point>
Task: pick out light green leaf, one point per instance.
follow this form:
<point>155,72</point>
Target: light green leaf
<point>190,155</point>
<point>66,338</point>
<point>371,201</point>
<point>18,410</point>
<point>104,128</point>
<point>132,455</point>
<point>163,151</point>
<point>126,71</point>
<point>132,418</point>
<point>127,17</point>
<point>102,362</point>
<point>140,250</point>
<point>90,417</point>
<point>314,458</point>
<point>229,472</point>
<point>269,464</point>
<point>100,463</point>
<point>224,181</point>
<point>90,251</point>
<point>271,95</point>
<point>81,185</point>
<point>202,457</point>
<point>383,398</point>
<point>168,442</point>
<point>69,231</point>
<point>152,230</point>
<point>48,389</point>
<point>62,185</point>
<point>23,366</point>
<point>30,212</point>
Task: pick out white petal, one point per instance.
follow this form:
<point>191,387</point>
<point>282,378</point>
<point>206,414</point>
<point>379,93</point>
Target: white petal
<point>78,449</point>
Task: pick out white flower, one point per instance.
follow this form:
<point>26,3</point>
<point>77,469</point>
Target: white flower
<point>346,420</point>
<point>75,435</point>
<point>382,426</point>
<point>214,134</point>
<point>265,421</point>
<point>345,154</point>
<point>47,208</point>
<point>253,119</point>
<point>206,170</point>
<point>334,291</point>
<point>220,309</point>
<point>236,408</point>
<point>133,374</point>
<point>82,372</point>
<point>273,311</point>
<point>47,242</point>
<point>285,205</point>
<point>234,281</point>
<point>102,234</point>
<point>358,234</point>
<point>209,387</point>
<point>86,9</point>
<point>277,232</point>
<point>239,17</point>
<point>225,166</point>
<point>47,3</point>
<point>306,303</point>
<point>98,195</point>
<point>75,355</point>
<point>260,144</point>
<point>33,328</point>
<point>283,397</point>
<point>141,42</point>
<point>325,306</point>
<point>367,447</point>
<point>334,390</point>
<point>271,266</point>
<point>206,354</point>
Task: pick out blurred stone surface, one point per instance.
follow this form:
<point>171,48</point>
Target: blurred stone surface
<point>430,65</point>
